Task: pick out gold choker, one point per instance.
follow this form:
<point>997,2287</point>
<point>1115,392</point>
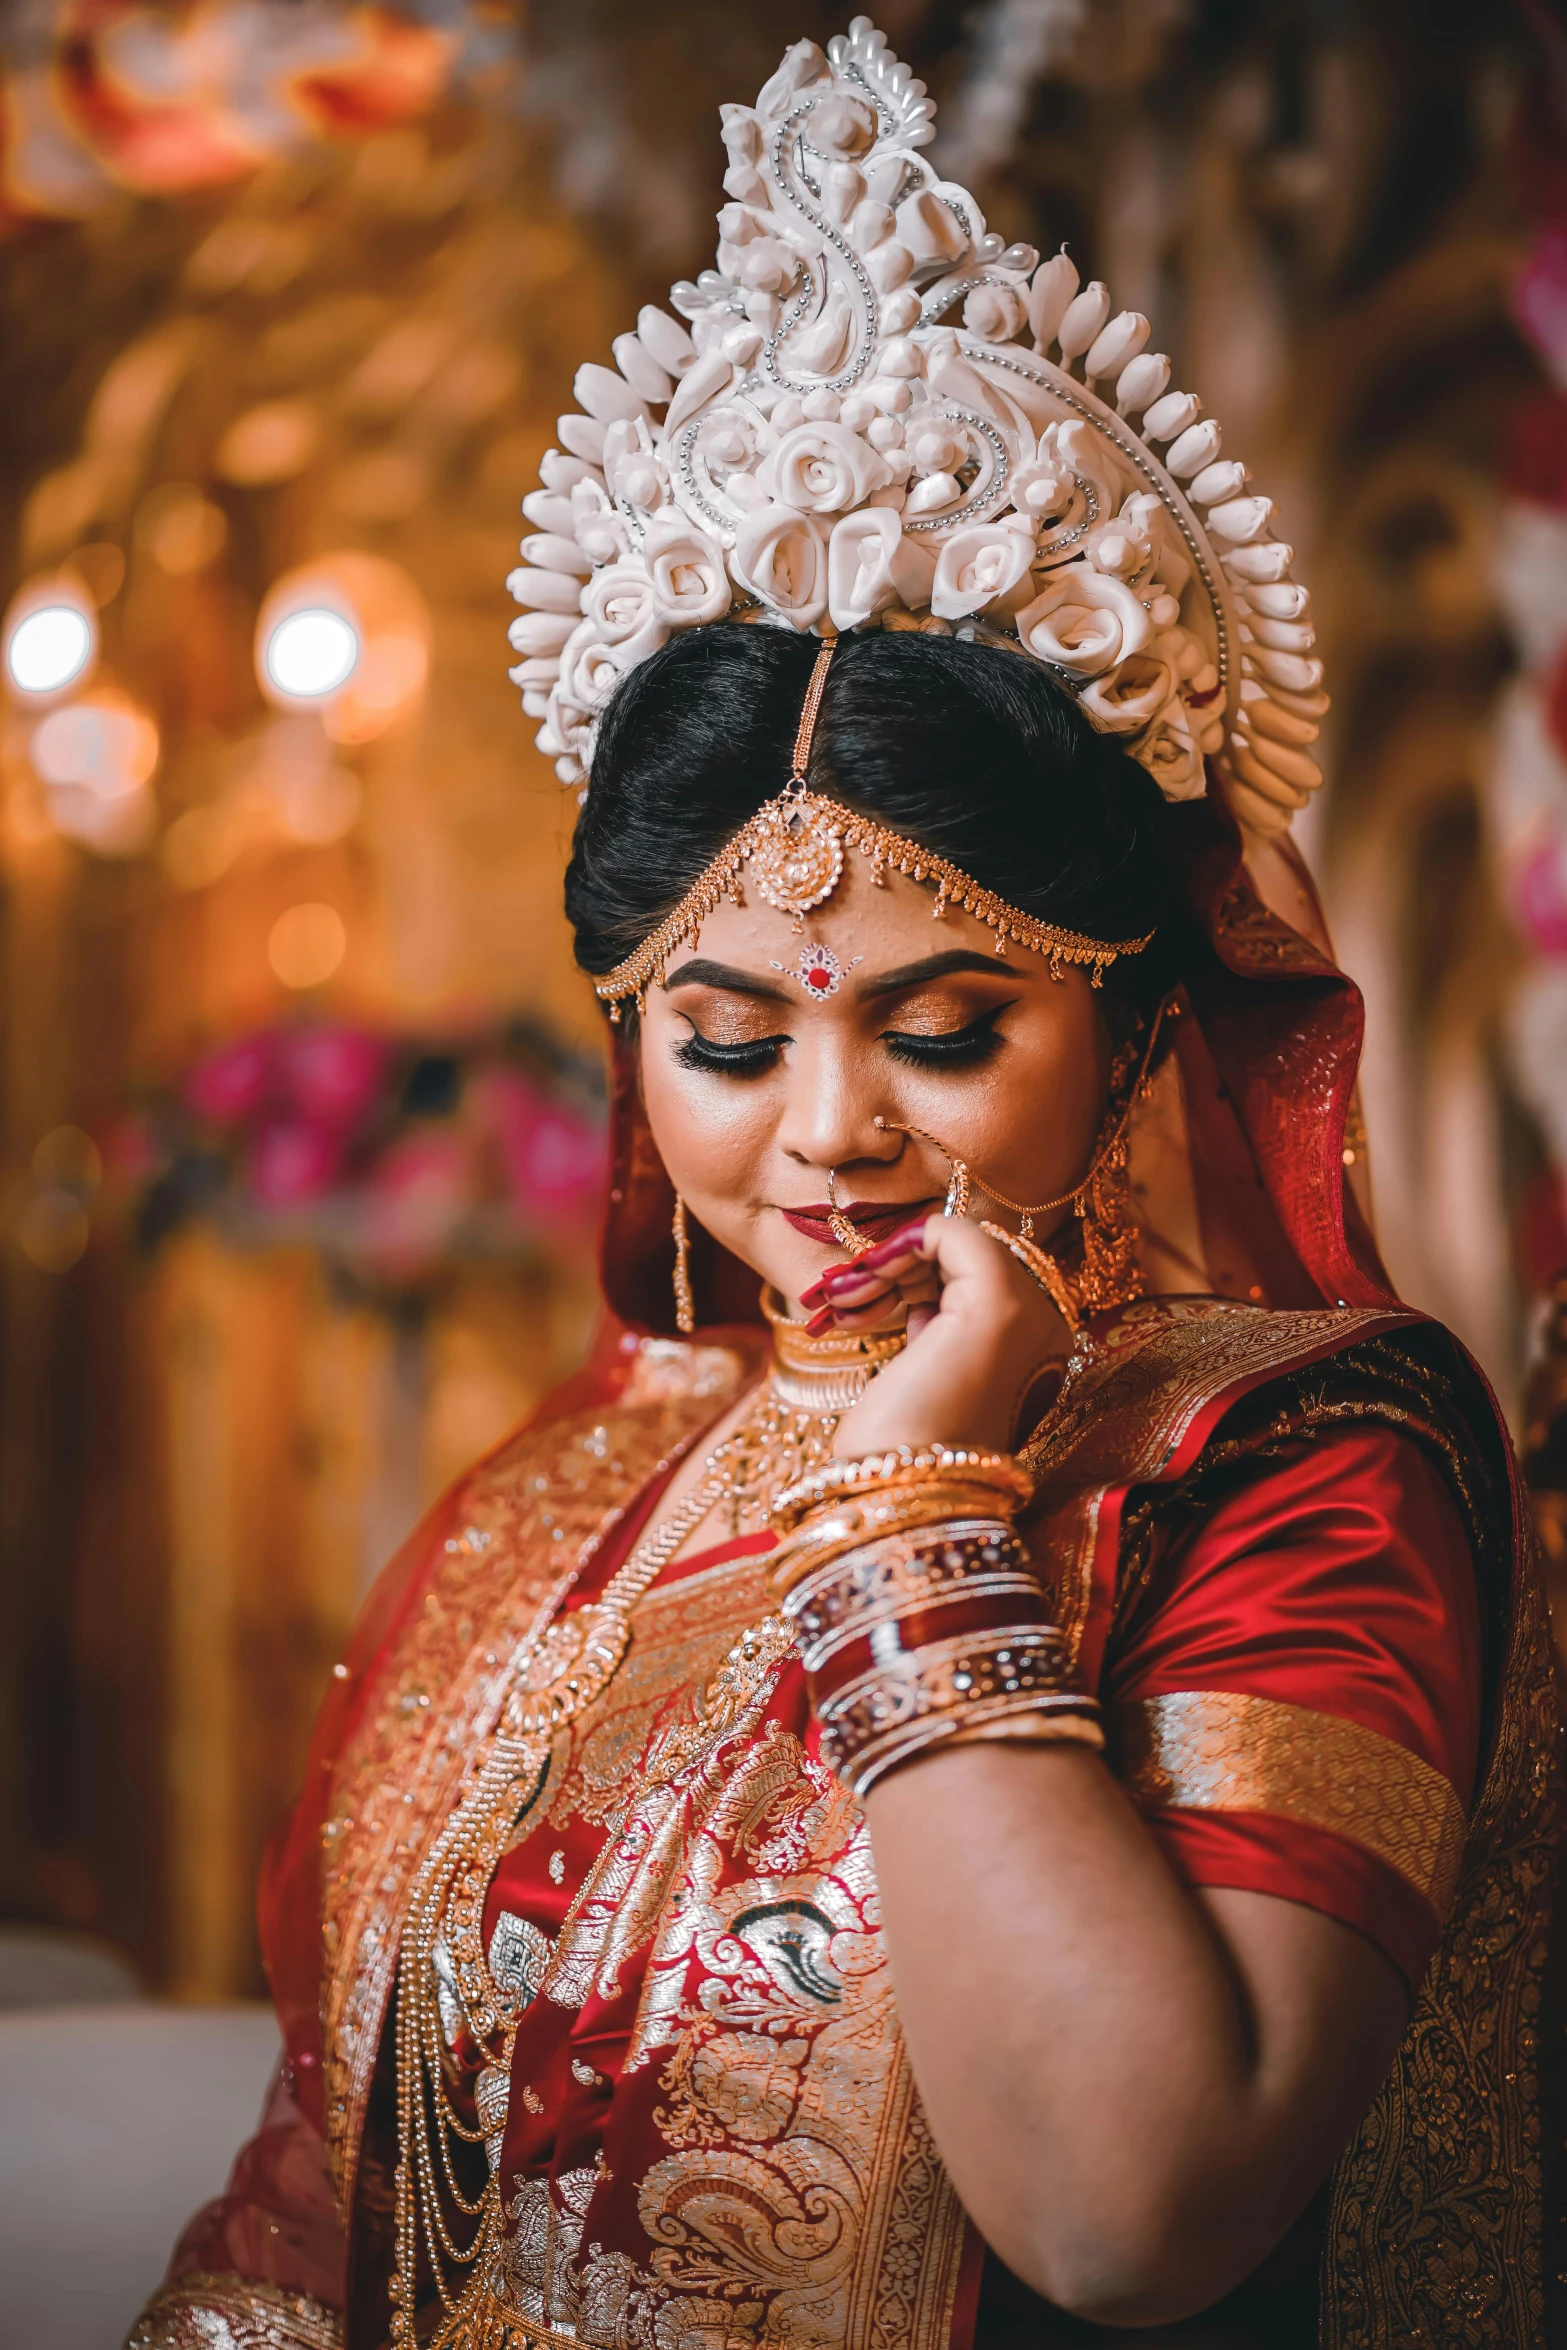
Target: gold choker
<point>826,1374</point>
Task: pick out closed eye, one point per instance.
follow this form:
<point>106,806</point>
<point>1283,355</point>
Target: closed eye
<point>752,1058</point>
<point>953,1048</point>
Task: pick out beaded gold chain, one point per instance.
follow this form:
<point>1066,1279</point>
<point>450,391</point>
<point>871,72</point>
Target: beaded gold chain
<point>563,1668</point>
<point>794,846</point>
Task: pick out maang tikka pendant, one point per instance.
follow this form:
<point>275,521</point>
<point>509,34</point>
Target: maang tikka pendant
<point>799,861</point>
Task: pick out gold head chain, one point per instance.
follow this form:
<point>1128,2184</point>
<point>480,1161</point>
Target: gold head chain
<point>792,853</point>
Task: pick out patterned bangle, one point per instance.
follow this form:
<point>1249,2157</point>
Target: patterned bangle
<point>1000,1472</point>
<point>913,1700</point>
<point>839,1526</point>
<point>977,1563</point>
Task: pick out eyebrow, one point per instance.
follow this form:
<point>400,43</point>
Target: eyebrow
<point>910,975</point>
<point>702,973</point>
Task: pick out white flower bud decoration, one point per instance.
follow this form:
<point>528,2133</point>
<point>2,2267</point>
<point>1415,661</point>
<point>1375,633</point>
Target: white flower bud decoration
<point>996,313</point>
<point>1142,382</point>
<point>1054,285</point>
<point>1116,344</point>
<point>1085,315</point>
<point>844,427</point>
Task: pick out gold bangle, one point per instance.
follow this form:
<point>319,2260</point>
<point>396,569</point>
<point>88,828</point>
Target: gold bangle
<point>876,1472</point>
<point>1032,1728</point>
<point>834,1527</point>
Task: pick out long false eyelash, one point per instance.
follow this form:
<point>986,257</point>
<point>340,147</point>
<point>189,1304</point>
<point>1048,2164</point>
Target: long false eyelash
<point>751,1059</point>
<point>958,1048</point>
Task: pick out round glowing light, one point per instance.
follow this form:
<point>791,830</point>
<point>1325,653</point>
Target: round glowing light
<point>50,647</point>
<point>307,944</point>
<point>52,1230</point>
<point>100,745</point>
<point>311,654</point>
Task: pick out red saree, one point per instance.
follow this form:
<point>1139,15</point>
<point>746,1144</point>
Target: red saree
<point>1290,1551</point>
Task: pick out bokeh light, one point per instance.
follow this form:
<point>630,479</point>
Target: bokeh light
<point>52,1230</point>
<point>311,654</point>
<point>68,1159</point>
<point>307,944</point>
<point>101,745</point>
<point>49,645</point>
<point>341,604</point>
<point>182,531</point>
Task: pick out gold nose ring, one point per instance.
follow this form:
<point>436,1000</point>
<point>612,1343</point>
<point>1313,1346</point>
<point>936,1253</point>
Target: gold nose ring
<point>957,1199</point>
<point>843,1232</point>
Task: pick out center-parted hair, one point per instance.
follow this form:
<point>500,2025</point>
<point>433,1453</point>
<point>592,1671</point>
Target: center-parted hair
<point>971,750</point>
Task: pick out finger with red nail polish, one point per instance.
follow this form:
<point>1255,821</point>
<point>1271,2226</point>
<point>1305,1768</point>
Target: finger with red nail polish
<point>903,1243</point>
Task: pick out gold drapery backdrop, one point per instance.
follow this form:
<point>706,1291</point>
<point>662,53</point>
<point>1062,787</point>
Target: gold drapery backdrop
<point>299,1106</point>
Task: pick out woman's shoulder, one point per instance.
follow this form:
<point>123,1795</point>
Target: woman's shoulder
<point>1172,1388</point>
<point>635,1401</point>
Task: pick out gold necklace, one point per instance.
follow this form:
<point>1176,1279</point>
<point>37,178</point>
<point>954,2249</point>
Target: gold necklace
<point>563,1669</point>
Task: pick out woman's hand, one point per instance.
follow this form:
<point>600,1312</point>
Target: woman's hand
<point>981,1332</point>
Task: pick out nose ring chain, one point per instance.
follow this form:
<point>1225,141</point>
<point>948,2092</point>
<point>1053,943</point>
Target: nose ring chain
<point>844,1233</point>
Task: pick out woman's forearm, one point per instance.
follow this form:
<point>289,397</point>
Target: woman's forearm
<point>1135,2089</point>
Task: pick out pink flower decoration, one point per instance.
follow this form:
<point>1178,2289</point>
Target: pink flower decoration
<point>333,1074</point>
<point>1541,895</point>
<point>1540,300</point>
<point>418,1193</point>
<point>231,1084</point>
<point>555,1164</point>
<point>293,1161</point>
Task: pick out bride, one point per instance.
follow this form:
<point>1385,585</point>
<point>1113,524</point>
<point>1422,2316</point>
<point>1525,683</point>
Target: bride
<point>984,1775</point>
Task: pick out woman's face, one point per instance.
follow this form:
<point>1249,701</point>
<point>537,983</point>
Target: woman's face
<point>756,1083</point>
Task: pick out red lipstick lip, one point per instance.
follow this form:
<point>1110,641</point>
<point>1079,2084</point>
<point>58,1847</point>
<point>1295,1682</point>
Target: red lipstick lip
<point>876,1219</point>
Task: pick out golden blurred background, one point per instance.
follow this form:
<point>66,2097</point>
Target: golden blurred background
<point>300,1100</point>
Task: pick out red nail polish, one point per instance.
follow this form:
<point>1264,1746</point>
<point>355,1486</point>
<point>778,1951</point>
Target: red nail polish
<point>838,1278</point>
<point>820,1322</point>
<point>898,1244</point>
<point>814,1296</point>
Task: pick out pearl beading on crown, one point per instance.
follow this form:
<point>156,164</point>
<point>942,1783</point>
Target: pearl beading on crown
<point>818,447</point>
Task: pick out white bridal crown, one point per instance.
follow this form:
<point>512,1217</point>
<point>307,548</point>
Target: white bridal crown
<point>877,415</point>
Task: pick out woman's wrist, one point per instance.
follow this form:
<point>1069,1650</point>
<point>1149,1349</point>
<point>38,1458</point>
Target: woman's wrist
<point>919,1618</point>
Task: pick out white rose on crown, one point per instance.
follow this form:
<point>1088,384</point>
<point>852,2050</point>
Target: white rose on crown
<point>1131,695</point>
<point>1172,754</point>
<point>622,604</point>
<point>872,566</point>
<point>589,670</point>
<point>822,469</point>
<point>602,532</point>
<point>781,555</point>
<point>686,565</point>
<point>984,567</point>
<point>1083,622</point>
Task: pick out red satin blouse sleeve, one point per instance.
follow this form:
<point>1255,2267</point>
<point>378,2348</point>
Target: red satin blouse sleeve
<point>1296,1701</point>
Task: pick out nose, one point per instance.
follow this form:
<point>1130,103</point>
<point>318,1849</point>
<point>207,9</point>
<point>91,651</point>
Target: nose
<point>829,1116</point>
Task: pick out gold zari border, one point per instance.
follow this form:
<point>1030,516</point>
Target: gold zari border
<point>202,2312</point>
<point>1218,1750</point>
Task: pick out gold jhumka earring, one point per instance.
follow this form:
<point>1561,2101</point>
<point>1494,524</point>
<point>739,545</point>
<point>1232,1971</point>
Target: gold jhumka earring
<point>685,1305</point>
<point>1109,1275</point>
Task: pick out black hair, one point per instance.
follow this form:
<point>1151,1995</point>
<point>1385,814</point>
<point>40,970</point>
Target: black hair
<point>970,749</point>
